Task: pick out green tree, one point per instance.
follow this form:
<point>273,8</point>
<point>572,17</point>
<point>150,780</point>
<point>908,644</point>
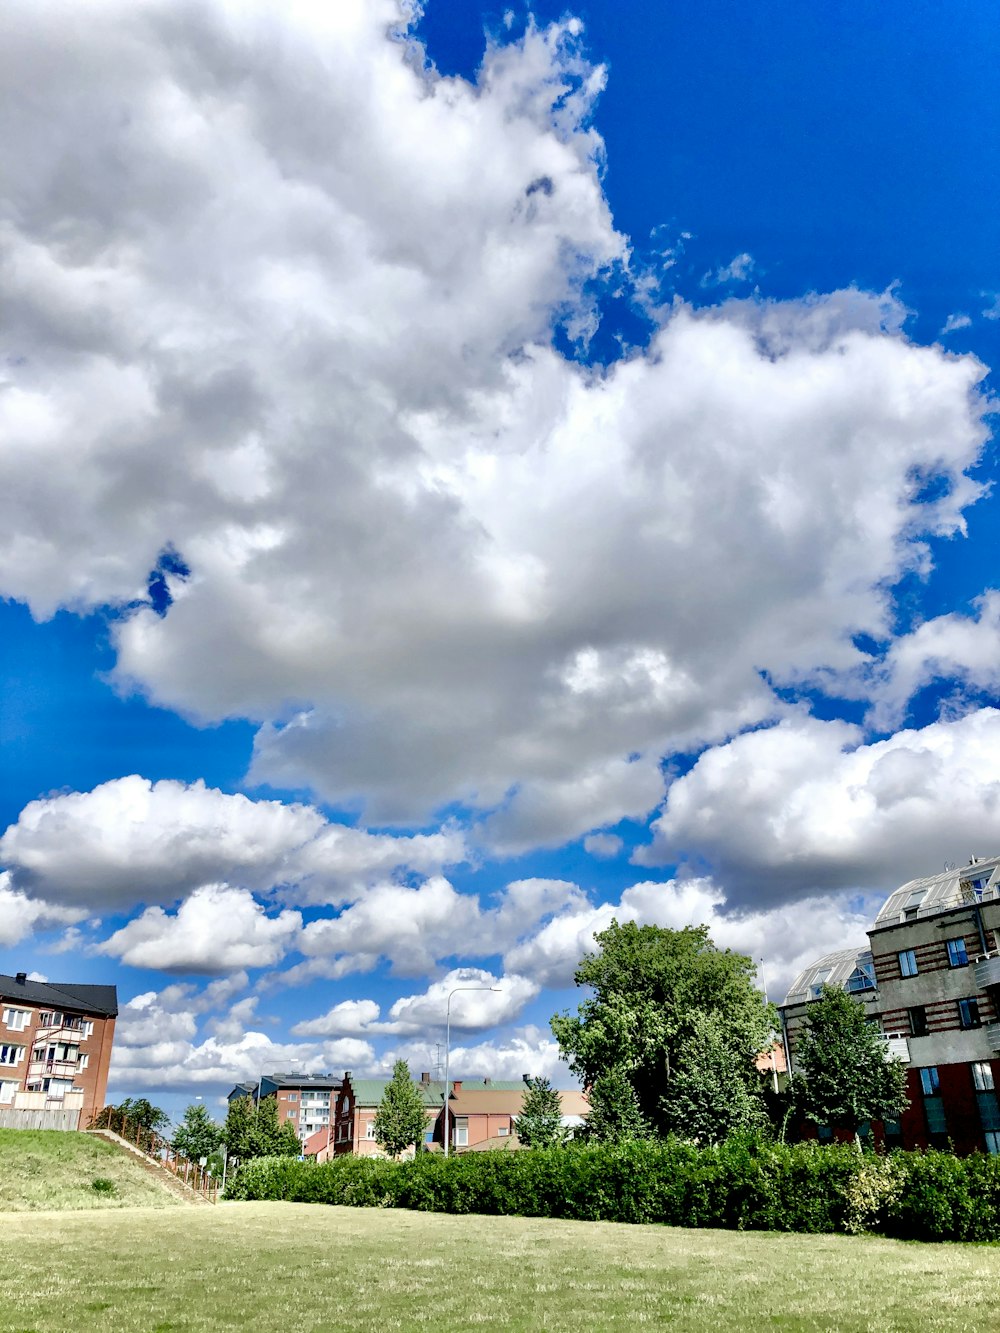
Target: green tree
<point>841,1074</point>
<point>614,1109</point>
<point>650,987</point>
<point>709,1098</point>
<point>540,1123</point>
<point>140,1111</point>
<point>197,1135</point>
<point>253,1130</point>
<point>401,1118</point>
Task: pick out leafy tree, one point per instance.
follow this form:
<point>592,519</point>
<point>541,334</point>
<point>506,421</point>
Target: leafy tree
<point>401,1118</point>
<point>253,1130</point>
<point>614,1109</point>
<point>709,1099</point>
<point>540,1123</point>
<point>651,987</point>
<point>841,1074</point>
<point>140,1111</point>
<point>198,1135</point>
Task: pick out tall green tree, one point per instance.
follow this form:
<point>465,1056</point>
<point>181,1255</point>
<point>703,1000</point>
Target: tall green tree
<point>253,1130</point>
<point>842,1076</point>
<point>614,1109</point>
<point>141,1111</point>
<point>401,1118</point>
<point>197,1135</point>
<point>709,1097</point>
<point>540,1123</point>
<point>650,988</point>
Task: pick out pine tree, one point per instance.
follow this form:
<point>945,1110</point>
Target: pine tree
<point>540,1123</point>
<point>401,1118</point>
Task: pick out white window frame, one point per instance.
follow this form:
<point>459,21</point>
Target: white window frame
<point>16,1019</point>
<point>982,1076</point>
<point>13,1049</point>
<point>370,1131</point>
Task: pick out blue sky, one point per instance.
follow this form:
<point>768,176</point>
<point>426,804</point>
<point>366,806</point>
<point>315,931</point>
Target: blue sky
<point>448,501</point>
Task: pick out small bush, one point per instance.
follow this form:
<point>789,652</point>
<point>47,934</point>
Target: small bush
<point>743,1184</point>
<point>101,1185</point>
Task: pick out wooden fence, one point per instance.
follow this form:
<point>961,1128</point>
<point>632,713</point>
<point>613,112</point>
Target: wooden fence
<point>12,1117</point>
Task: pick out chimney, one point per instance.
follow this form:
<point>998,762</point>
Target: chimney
<point>347,1075</point>
<point>456,1086</point>
<point>486,1083</point>
<point>425,1079</point>
<point>21,978</point>
<point>526,1077</point>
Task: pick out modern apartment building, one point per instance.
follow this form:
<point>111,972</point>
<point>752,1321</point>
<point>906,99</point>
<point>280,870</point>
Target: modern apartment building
<point>55,1045</point>
<point>930,979</point>
<point>304,1099</point>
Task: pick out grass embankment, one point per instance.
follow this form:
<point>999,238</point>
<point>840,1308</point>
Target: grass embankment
<point>49,1169</point>
<point>266,1266</point>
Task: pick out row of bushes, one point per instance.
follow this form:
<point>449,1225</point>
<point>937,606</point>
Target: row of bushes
<point>759,1186</point>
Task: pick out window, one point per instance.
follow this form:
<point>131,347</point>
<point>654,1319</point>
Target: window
<point>429,1136</point>
<point>862,978</point>
<point>819,980</point>
<point>968,1014</point>
<point>907,963</point>
<point>918,1021</point>
<point>930,1083</point>
<point>10,1055</point>
<point>293,1097</point>
<point>370,1129</point>
<point>912,904</point>
<point>502,1131</point>
<point>50,1018</point>
<point>16,1019</point>
<point>993,1144</point>
<point>84,1061</point>
<point>982,1076</point>
<point>957,955</point>
<point>461,1131</point>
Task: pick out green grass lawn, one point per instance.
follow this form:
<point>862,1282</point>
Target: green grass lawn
<point>44,1168</point>
<point>310,1267</point>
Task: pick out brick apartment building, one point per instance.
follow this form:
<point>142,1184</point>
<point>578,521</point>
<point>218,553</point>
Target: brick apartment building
<point>304,1099</point>
<point>930,979</point>
<point>481,1113</point>
<point>55,1045</point>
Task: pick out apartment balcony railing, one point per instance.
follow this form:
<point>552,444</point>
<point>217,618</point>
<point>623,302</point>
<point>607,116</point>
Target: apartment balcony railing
<point>993,1034</point>
<point>987,969</point>
<point>61,1068</point>
<point>896,1047</point>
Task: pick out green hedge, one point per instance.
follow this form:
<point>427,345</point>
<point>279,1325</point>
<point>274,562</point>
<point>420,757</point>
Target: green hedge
<point>739,1185</point>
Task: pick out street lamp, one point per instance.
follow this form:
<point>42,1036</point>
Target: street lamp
<point>447,1055</point>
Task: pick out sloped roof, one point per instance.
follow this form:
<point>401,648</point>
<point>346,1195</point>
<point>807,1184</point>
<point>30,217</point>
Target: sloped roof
<point>370,1091</point>
<point>936,893</point>
<point>62,995</point>
<point>833,969</point>
<point>477,1100</point>
<point>301,1080</point>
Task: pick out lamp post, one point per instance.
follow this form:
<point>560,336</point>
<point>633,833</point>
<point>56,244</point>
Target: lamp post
<point>447,1056</point>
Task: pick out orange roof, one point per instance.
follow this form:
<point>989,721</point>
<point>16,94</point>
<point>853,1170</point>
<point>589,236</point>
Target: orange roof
<point>316,1142</point>
<point>495,1101</point>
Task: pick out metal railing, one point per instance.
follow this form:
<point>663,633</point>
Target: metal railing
<point>158,1150</point>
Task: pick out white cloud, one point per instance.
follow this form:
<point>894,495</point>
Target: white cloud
<point>603,845</point>
<point>131,840</point>
<point>349,1018</point>
<point>804,807</point>
<point>992,311</point>
<point>955,322</point>
<point>323,373</point>
<point>20,915</point>
<point>470,1009</point>
<point>528,1050</point>
<point>216,929</point>
<point>963,649</point>
<point>415,928</point>
<point>738,269</point>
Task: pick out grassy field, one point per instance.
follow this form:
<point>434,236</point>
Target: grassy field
<point>268,1266</point>
<point>48,1169</point>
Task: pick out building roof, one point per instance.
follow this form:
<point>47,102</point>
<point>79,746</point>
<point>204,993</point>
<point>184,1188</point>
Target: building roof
<point>300,1080</point>
<point>978,881</point>
<point>476,1100</point>
<point>317,1142</point>
<point>370,1091</point>
<point>102,1000</point>
<point>851,969</point>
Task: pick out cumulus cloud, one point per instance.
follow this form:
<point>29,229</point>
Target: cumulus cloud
<point>349,1018</point>
<point>603,845</point>
<point>416,927</point>
<point>216,929</point>
<point>528,1050</point>
<point>953,647</point>
<point>20,915</point>
<point>805,807</point>
<point>131,840</point>
<point>738,269</point>
<point>323,374</point>
<point>955,322</point>
<point>471,1009</point>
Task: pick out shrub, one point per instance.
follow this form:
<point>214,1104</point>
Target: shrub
<point>744,1183</point>
<point>101,1185</point>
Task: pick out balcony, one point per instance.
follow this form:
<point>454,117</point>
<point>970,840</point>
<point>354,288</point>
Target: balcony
<point>993,1035</point>
<point>60,1068</point>
<point>896,1047</point>
<point>987,969</point>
